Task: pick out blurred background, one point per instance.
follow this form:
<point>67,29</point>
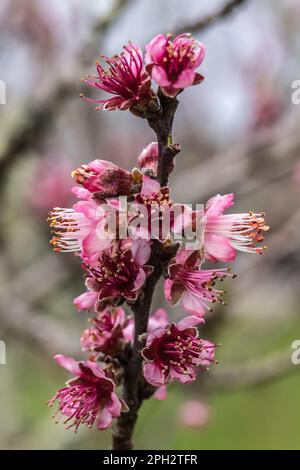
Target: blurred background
<point>240,132</point>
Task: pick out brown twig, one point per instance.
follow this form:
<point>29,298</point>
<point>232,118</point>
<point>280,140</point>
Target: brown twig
<point>204,23</point>
<point>162,122</point>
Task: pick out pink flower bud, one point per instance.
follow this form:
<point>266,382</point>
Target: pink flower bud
<point>148,158</point>
<point>103,177</point>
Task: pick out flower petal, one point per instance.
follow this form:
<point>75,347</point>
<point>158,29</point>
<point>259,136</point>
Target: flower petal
<point>139,280</point>
<point>161,393</point>
<point>218,247</point>
<point>69,363</point>
<point>150,186</point>
<point>156,48</point>
<point>199,55</point>
<point>185,79</point>
<point>217,204</point>
<point>141,251</point>
<point>115,406</point>
<point>159,319</point>
<point>86,301</point>
<point>104,419</point>
<point>189,322</point>
<point>182,378</point>
<point>160,77</point>
<point>191,303</point>
<point>153,374</point>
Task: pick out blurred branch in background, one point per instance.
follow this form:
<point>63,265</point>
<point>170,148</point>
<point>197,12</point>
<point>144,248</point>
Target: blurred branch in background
<point>38,118</point>
<point>250,373</point>
<point>25,321</point>
<point>209,20</point>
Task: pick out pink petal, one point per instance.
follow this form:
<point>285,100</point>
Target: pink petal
<point>161,393</point>
<point>104,419</point>
<point>192,304</point>
<point>158,319</point>
<point>199,55</point>
<point>141,251</point>
<point>168,288</point>
<point>153,374</point>
<point>128,331</point>
<point>207,353</point>
<point>182,378</point>
<point>182,256</point>
<point>217,204</point>
<point>98,166</point>
<point>139,280</point>
<point>185,79</point>
<point>189,322</point>
<point>159,76</point>
<point>86,301</point>
<point>218,247</point>
<point>69,363</point>
<point>97,371</point>
<point>115,406</point>
<point>92,245</point>
<point>154,334</point>
<point>119,315</point>
<point>150,186</point>
<point>81,193</point>
<point>148,157</point>
<point>156,48</point>
<point>88,208</point>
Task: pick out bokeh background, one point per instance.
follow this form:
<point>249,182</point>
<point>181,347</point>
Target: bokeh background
<point>240,132</point>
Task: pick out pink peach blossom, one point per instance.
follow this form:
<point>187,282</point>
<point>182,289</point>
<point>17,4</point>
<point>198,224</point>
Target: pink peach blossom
<point>88,398</point>
<point>191,284</point>
<point>110,331</point>
<point>125,78</point>
<point>172,63</point>
<point>176,352</point>
<point>120,273</point>
<point>82,228</point>
<point>224,234</point>
<point>164,216</point>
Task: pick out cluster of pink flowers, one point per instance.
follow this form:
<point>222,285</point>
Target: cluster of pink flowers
<point>170,63</point>
<point>117,269</point>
